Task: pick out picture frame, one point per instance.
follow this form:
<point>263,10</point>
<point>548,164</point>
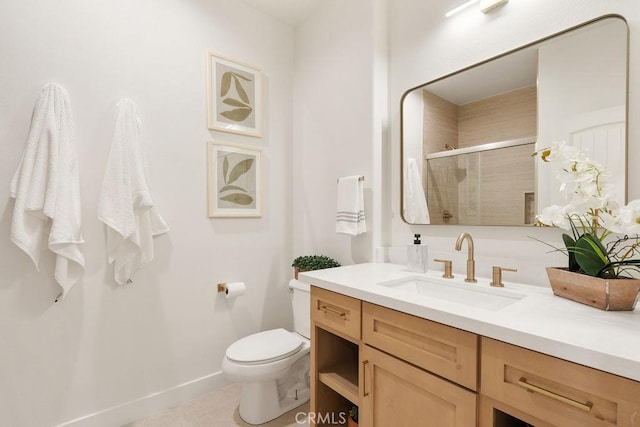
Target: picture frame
<point>234,96</point>
<point>234,180</point>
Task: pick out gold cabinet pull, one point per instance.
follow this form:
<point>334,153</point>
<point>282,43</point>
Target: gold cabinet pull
<point>365,393</point>
<point>535,389</point>
<point>330,310</point>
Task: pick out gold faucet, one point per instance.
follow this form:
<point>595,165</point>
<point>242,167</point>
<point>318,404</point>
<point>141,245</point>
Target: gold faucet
<point>471,264</point>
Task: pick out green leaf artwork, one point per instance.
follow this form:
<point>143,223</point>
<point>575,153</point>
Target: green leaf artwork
<point>238,199</point>
<point>225,168</point>
<point>244,109</point>
<point>241,92</point>
<point>240,169</point>
<point>237,115</point>
<point>239,196</point>
<point>225,84</point>
<point>234,103</point>
<point>231,187</point>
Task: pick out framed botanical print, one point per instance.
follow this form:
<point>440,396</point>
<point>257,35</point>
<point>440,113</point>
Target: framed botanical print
<point>234,180</point>
<point>234,96</point>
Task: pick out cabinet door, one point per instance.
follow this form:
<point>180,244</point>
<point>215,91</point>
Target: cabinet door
<point>395,393</point>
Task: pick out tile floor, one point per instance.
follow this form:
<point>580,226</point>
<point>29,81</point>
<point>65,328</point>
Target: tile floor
<point>218,408</point>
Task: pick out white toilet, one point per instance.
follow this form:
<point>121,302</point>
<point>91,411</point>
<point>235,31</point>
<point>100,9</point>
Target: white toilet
<point>274,364</point>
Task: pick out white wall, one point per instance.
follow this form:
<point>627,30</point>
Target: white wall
<point>424,45</point>
<point>106,345</point>
<point>334,129</point>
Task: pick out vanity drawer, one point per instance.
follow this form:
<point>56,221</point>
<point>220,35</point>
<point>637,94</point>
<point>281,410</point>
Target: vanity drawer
<point>336,312</point>
<point>448,352</point>
<point>557,391</point>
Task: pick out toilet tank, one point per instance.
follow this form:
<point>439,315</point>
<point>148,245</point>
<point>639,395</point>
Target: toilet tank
<point>301,304</point>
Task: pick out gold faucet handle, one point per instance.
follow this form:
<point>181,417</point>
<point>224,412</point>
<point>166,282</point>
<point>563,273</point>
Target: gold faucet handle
<point>448,267</point>
<point>497,275</point>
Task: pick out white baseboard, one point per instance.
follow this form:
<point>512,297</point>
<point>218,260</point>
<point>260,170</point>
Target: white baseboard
<point>148,405</point>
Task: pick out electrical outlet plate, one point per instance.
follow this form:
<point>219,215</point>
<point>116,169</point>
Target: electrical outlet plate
<point>487,5</point>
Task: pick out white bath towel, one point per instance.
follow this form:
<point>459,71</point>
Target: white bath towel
<point>350,218</point>
<point>415,202</point>
<point>125,204</point>
<point>46,186</point>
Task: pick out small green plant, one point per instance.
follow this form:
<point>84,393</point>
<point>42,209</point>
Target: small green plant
<point>353,413</point>
<point>314,262</point>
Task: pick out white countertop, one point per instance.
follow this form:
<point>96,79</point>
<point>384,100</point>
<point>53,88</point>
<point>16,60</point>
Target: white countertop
<point>541,321</point>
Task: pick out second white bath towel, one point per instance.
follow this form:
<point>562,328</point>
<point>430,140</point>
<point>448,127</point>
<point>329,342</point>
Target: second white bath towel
<point>350,218</point>
<point>125,205</point>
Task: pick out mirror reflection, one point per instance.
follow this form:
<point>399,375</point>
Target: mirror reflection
<point>467,138</point>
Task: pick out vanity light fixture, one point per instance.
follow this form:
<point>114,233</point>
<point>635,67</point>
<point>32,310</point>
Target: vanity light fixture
<point>488,5</point>
<point>460,8</point>
<point>485,6</point>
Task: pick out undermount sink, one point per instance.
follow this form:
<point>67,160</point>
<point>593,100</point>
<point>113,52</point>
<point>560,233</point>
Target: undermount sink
<point>470,294</point>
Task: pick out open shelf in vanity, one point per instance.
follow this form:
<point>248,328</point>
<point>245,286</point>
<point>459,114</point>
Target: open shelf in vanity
<point>338,365</point>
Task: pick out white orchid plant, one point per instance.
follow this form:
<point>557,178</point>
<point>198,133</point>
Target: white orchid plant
<point>592,215</point>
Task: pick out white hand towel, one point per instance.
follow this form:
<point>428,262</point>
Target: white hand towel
<point>125,204</point>
<point>350,217</point>
<point>415,203</point>
<point>46,185</point>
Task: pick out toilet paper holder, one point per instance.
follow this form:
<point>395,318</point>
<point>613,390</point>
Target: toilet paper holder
<point>231,289</point>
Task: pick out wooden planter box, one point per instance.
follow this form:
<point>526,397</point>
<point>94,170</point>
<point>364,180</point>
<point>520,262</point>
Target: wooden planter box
<point>605,294</point>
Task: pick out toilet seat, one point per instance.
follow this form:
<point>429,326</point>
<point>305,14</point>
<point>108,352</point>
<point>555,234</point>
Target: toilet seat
<point>264,347</point>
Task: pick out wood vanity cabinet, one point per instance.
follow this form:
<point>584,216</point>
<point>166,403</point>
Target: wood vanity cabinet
<point>402,370</point>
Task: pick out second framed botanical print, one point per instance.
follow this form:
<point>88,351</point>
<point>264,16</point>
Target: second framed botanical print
<point>234,180</point>
<point>234,96</point>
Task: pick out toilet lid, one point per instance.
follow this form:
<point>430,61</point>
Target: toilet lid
<point>267,346</point>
